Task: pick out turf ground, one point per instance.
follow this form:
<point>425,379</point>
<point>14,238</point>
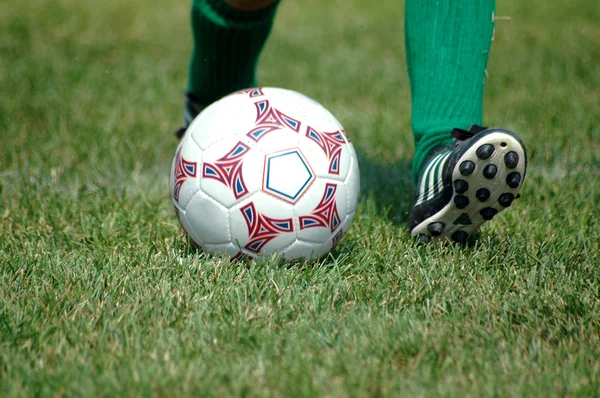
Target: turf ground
<point>93,298</point>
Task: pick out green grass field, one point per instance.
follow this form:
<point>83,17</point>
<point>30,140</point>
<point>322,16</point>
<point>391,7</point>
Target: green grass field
<point>101,294</point>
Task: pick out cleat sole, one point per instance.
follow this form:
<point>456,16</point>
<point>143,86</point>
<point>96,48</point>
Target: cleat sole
<point>485,180</point>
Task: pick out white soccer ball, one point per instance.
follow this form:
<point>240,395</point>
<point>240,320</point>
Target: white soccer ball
<point>264,171</point>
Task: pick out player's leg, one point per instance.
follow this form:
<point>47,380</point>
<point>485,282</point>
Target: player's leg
<point>228,38</point>
<point>464,175</point>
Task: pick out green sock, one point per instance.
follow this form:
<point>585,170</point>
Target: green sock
<point>227,43</point>
<point>447,48</point>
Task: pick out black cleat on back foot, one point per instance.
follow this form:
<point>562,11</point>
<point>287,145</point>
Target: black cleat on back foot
<point>180,132</point>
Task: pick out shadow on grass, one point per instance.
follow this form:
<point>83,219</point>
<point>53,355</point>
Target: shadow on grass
<point>387,191</point>
<point>386,187</point>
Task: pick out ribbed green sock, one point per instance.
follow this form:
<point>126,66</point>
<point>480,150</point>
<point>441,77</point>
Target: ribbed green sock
<point>447,48</point>
<point>227,44</point>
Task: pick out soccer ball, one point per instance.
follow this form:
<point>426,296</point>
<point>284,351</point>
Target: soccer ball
<point>265,171</point>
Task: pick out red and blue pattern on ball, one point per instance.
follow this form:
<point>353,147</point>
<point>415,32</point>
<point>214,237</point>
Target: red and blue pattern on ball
<point>183,170</point>
<point>252,92</point>
<point>269,119</point>
<point>263,229</point>
<point>325,214</point>
<point>228,170</point>
<point>331,144</point>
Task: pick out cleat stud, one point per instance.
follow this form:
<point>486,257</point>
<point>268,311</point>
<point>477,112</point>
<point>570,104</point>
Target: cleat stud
<point>435,228</point>
<point>466,168</point>
<point>463,219</point>
<point>513,179</point>
<point>482,194</point>
<point>461,186</point>
<point>511,159</point>
<point>490,171</point>
<point>461,201</point>
<point>506,199</point>
<point>488,213</point>
<point>422,239</point>
<point>460,237</point>
<point>485,151</point>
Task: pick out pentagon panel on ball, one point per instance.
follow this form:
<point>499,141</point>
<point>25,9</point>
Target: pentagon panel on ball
<point>265,171</point>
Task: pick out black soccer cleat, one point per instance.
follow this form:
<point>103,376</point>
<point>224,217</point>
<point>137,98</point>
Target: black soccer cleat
<point>467,183</point>
<point>192,107</point>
